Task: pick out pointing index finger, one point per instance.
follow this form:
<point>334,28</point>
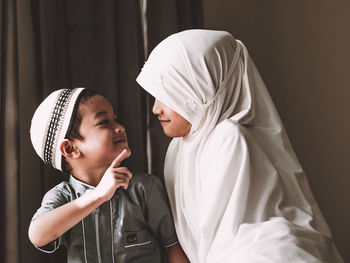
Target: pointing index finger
<point>117,161</point>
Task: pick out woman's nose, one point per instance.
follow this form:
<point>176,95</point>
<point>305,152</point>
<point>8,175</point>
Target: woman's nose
<point>156,109</point>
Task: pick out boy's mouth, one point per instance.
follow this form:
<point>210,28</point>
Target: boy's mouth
<point>120,139</point>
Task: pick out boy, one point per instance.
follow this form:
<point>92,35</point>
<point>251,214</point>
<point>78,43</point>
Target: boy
<point>77,131</point>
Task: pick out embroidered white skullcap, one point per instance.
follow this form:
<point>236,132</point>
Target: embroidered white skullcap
<point>52,122</point>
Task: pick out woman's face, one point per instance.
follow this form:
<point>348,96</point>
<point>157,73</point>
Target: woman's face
<point>174,125</point>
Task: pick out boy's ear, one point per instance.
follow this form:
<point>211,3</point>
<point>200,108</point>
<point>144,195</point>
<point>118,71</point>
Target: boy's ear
<point>69,150</point>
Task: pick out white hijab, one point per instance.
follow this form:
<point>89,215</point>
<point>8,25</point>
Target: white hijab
<point>236,188</point>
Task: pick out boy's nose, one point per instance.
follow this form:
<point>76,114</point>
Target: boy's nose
<point>119,128</point>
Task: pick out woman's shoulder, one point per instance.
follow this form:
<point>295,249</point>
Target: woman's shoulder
<point>228,131</point>
<point>226,141</point>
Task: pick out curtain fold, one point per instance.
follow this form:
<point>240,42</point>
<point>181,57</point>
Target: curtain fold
<point>165,17</point>
<point>10,212</point>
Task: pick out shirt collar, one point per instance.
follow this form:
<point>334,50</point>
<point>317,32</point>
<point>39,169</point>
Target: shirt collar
<point>79,186</point>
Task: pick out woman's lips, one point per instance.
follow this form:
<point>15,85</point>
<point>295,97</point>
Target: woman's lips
<point>164,121</point>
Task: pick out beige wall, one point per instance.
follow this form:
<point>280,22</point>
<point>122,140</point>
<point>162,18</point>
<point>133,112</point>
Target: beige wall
<point>301,49</point>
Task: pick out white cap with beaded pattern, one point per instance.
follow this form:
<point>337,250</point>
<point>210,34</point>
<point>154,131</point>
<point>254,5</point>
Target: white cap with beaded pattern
<point>51,123</point>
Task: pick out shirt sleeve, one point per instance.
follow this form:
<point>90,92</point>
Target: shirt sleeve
<point>159,215</point>
<point>54,198</point>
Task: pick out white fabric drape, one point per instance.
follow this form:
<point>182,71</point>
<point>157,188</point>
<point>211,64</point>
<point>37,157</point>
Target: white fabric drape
<point>236,188</point>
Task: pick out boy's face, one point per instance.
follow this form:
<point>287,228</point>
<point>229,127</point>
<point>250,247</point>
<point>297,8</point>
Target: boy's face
<point>103,137</point>
<point>174,125</point>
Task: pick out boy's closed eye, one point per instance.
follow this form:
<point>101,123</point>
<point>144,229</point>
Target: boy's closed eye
<point>106,122</point>
<point>103,122</point>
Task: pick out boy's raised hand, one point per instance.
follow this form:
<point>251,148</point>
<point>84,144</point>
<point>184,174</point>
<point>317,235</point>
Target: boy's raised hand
<point>114,177</point>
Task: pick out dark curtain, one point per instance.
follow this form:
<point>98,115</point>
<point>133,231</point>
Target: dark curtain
<point>165,17</point>
<point>52,44</point>
<point>9,191</point>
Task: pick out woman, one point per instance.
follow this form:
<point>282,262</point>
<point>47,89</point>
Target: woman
<point>236,188</point>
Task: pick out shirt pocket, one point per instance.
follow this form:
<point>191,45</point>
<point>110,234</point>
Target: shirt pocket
<point>141,246</point>
<point>137,238</point>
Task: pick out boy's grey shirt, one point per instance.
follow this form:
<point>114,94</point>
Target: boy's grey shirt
<point>133,226</point>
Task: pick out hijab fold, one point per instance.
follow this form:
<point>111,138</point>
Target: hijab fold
<point>236,188</point>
